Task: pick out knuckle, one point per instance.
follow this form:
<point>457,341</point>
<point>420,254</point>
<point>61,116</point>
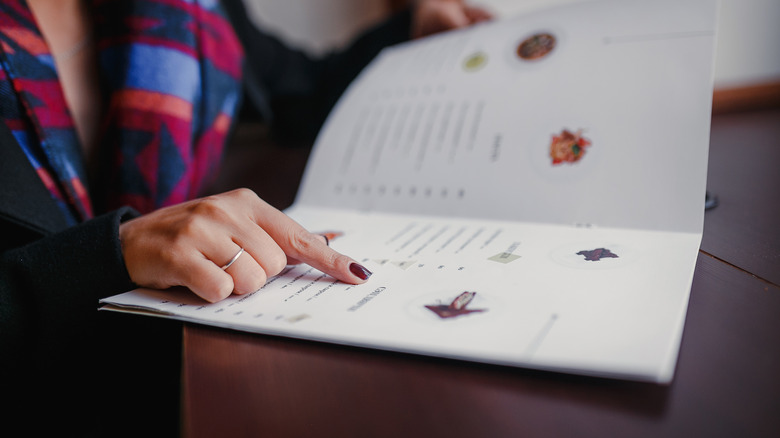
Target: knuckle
<point>202,216</point>
<point>302,241</point>
<point>338,260</point>
<point>244,195</point>
<point>209,207</point>
<point>191,225</point>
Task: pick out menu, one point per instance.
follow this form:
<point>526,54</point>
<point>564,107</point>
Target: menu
<point>528,192</point>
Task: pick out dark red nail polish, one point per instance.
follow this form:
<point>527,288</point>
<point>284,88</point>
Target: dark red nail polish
<point>360,271</point>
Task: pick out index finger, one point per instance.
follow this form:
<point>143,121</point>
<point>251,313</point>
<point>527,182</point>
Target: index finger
<point>298,243</point>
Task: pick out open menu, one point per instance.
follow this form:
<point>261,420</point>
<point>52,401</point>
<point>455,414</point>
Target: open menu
<point>527,192</point>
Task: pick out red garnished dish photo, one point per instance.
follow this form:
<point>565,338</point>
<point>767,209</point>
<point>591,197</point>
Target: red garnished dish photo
<point>568,147</point>
<point>536,46</point>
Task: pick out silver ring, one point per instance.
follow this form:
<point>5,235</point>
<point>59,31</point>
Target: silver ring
<point>233,260</point>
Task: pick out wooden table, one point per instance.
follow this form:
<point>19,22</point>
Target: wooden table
<point>728,373</point>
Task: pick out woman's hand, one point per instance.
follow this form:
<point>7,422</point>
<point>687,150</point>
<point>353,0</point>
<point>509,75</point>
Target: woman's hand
<point>432,16</point>
<point>188,244</point>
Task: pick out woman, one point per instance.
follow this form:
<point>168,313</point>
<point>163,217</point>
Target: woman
<point>115,114</point>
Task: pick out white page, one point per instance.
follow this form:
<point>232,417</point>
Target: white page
<point>544,306</point>
<point>482,248</point>
<point>419,133</point>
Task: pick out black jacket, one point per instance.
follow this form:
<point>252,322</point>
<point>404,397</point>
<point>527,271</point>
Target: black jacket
<point>51,277</point>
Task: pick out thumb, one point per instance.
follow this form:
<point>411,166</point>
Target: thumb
<point>433,17</point>
<point>476,14</point>
<point>454,16</point>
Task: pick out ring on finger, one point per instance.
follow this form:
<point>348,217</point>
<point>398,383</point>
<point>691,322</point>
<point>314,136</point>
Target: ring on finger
<point>233,260</point>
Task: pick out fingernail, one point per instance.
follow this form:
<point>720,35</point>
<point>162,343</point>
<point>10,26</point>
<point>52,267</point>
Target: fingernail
<point>360,271</point>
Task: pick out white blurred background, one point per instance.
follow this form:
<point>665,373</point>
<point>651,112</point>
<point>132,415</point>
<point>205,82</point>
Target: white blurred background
<point>748,41</point>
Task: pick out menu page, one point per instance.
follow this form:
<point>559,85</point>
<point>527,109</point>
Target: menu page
<point>594,301</point>
<point>527,192</point>
<point>594,113</point>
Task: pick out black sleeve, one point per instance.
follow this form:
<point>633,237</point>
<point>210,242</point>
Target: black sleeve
<point>61,356</point>
<point>50,287</point>
<point>295,92</point>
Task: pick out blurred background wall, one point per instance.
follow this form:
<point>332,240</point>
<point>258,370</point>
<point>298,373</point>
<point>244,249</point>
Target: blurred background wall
<point>748,46</point>
<point>316,25</point>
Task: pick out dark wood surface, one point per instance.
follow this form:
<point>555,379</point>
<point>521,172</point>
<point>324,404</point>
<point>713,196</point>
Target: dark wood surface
<point>727,382</point>
<point>744,173</point>
<point>746,98</point>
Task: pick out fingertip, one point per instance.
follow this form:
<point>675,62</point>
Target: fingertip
<point>478,15</point>
<point>216,289</point>
<point>223,291</point>
<point>348,270</point>
<point>458,20</point>
<point>360,271</point>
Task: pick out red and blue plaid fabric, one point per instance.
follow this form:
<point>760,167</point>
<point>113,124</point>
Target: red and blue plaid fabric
<point>171,72</point>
